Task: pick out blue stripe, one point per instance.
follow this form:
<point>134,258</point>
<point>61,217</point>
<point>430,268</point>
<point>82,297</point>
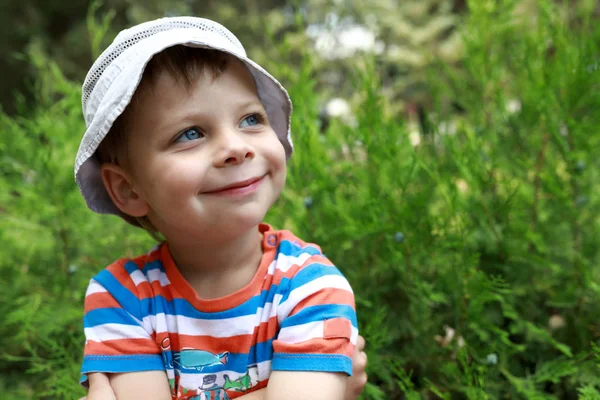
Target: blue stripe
<point>123,296</point>
<point>308,274</point>
<point>131,267</point>
<point>321,313</point>
<point>312,362</point>
<point>159,304</point>
<point>101,316</point>
<point>117,364</point>
<point>291,249</point>
<point>156,264</point>
<point>237,362</point>
<point>260,352</point>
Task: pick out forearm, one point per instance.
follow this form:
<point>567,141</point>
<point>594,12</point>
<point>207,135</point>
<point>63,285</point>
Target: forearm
<point>300,385</point>
<point>100,388</point>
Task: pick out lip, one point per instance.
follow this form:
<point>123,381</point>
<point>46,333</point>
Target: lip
<point>239,188</point>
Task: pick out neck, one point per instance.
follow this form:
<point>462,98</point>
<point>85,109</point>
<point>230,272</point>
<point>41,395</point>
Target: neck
<point>218,268</point>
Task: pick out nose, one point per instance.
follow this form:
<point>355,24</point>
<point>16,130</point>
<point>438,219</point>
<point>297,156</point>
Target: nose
<point>233,149</point>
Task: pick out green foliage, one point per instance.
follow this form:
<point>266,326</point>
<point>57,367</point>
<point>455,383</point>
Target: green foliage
<point>473,254</point>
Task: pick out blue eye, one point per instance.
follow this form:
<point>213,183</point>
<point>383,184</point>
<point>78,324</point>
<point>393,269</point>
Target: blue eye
<point>190,134</point>
<point>251,120</point>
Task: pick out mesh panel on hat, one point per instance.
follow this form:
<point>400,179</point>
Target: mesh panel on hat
<point>132,36</point>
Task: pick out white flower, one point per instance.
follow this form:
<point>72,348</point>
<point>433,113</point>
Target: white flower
<point>414,135</point>
<point>491,359</point>
<point>462,185</point>
<point>556,322</point>
<point>513,106</point>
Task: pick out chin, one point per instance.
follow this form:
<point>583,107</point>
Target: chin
<point>235,223</point>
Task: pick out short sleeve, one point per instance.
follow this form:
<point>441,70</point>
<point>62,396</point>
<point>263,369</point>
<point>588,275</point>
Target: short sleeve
<point>116,339</point>
<point>317,321</point>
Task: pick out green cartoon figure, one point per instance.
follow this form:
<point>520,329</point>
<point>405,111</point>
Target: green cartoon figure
<point>244,382</point>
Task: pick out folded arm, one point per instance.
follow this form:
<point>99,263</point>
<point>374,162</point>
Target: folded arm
<point>295,385</point>
<point>282,385</point>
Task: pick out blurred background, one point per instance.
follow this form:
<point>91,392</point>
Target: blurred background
<point>404,36</point>
<point>447,160</point>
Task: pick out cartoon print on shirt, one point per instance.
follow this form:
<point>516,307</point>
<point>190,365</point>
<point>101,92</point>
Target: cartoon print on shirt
<point>210,390</point>
<point>199,359</point>
<point>244,382</point>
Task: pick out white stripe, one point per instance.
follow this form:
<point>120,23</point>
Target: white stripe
<point>354,335</point>
<point>271,269</point>
<point>101,333</point>
<point>153,275</point>
<point>270,309</point>
<point>285,262</point>
<point>243,325</point>
<point>310,288</point>
<point>138,277</point>
<point>158,275</point>
<point>308,331</point>
<point>301,333</point>
<point>219,328</point>
<point>94,287</point>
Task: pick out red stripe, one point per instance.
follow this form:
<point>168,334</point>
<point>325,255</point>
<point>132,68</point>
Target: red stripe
<point>99,300</point>
<point>315,346</point>
<point>326,296</point>
<point>118,270</point>
<point>121,347</point>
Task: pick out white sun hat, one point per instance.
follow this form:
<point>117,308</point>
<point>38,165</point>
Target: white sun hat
<point>114,78</point>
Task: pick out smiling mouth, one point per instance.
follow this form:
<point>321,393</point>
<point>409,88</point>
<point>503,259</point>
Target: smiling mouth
<point>242,187</point>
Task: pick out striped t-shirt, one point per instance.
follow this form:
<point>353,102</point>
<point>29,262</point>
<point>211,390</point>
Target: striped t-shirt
<point>297,314</point>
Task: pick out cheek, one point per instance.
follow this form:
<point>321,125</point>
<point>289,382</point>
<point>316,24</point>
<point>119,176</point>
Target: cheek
<point>280,168</point>
<point>277,155</point>
<point>172,178</point>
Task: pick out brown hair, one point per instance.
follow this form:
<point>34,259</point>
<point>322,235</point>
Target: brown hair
<point>185,64</point>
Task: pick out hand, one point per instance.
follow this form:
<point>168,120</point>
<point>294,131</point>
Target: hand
<point>358,380</point>
<point>100,388</point>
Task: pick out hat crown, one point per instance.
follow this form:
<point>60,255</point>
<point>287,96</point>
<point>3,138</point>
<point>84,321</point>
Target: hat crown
<point>134,35</point>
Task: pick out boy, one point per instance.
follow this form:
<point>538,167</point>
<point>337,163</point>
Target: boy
<point>188,138</point>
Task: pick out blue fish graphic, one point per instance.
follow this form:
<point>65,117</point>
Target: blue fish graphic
<point>200,359</point>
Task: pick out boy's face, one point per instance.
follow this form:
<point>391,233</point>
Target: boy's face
<point>204,159</point>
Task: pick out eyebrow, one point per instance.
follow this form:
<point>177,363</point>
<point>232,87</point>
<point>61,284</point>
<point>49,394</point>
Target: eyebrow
<point>248,104</point>
<point>240,105</point>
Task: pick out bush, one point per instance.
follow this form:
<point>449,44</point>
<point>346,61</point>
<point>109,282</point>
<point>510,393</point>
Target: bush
<point>473,253</point>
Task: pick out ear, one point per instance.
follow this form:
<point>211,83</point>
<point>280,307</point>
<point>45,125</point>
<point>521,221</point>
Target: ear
<point>118,184</point>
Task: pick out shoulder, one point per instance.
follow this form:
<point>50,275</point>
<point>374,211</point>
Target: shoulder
<point>300,263</point>
<point>291,245</point>
<point>143,268</point>
<point>127,280</point>
<point>294,254</point>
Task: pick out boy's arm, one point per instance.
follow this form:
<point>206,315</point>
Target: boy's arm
<point>295,385</point>
<point>141,385</point>
<point>100,387</point>
<point>313,350</point>
<point>132,385</point>
<point>118,343</point>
